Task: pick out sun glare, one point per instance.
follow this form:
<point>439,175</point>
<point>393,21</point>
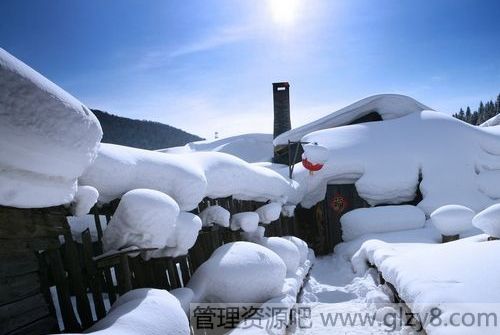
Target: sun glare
<point>284,11</point>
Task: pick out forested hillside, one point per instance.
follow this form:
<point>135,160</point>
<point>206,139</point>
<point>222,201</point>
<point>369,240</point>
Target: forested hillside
<point>141,133</point>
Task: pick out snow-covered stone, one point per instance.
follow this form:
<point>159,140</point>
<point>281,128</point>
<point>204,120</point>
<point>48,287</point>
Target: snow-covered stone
<point>301,246</point>
<point>452,219</point>
<point>246,221</point>
<point>269,212</point>
<point>144,311</point>
<point>215,215</point>
<point>47,138</point>
<point>85,198</point>
<point>381,219</point>
<point>489,220</point>
<point>239,272</point>
<point>144,218</point>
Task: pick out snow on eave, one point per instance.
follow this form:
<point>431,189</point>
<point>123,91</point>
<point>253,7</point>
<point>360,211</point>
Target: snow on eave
<point>389,106</point>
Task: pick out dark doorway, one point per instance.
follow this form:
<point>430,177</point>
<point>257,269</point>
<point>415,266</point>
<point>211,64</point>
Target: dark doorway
<point>340,199</point>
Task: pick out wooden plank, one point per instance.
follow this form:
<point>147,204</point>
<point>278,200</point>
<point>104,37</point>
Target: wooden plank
<point>23,319</point>
<point>45,325</point>
<point>183,263</point>
<point>18,263</point>
<point>98,226</point>
<point>173,275</point>
<point>63,295</point>
<point>94,277</point>
<point>125,274</point>
<point>18,287</point>
<point>76,278</point>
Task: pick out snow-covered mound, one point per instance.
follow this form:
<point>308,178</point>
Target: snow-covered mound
<point>85,198</point>
<point>489,221</point>
<point>239,272</point>
<point>286,249</point>
<point>246,221</point>
<point>269,212</point>
<point>389,106</point>
<point>456,277</point>
<point>386,160</point>
<point>187,178</point>
<point>452,219</point>
<point>144,218</point>
<point>215,215</point>
<point>144,311</point>
<point>47,138</point>
<point>249,147</point>
<point>184,237</point>
<point>382,219</point>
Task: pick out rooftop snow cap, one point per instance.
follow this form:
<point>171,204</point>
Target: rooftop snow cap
<point>281,99</point>
<point>388,106</point>
<point>47,138</point>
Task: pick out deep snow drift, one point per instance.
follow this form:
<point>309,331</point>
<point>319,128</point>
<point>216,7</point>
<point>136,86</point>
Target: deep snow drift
<point>386,160</point>
<point>187,178</point>
<point>47,138</point>
<point>249,147</point>
<point>389,106</point>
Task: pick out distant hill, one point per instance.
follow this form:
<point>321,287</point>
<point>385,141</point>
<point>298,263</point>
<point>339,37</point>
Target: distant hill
<point>141,133</point>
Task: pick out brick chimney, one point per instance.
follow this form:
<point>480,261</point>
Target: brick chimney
<point>281,98</point>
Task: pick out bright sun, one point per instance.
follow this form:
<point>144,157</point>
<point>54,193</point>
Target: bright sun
<point>283,11</point>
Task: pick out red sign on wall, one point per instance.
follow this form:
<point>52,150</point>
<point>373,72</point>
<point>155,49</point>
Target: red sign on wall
<point>338,203</point>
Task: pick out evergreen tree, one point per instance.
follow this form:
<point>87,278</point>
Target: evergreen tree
<point>484,112</point>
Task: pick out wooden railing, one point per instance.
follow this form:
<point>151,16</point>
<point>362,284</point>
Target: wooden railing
<point>82,276</point>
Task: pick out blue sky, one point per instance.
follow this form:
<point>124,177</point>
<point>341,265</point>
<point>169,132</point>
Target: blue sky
<point>207,66</point>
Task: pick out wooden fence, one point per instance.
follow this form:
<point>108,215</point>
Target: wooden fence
<point>80,274</point>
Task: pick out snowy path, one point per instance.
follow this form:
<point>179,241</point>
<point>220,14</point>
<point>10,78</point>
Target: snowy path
<point>335,294</point>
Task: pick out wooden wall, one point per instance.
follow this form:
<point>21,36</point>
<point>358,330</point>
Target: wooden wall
<point>23,233</point>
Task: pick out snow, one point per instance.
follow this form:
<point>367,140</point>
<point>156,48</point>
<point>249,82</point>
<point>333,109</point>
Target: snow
<point>187,178</point>
<point>494,121</point>
<point>239,272</point>
<point>286,249</point>
<point>184,237</point>
<point>184,295</point>
<point>288,211</point>
<point>144,311</point>
<point>489,220</point>
<point>456,276</point>
<point>315,153</point>
<point>144,218</point>
<point>249,147</point>
<point>246,221</point>
<point>215,215</point>
<point>301,247</point>
<point>389,106</point>
<point>380,219</point>
<point>452,219</point>
<point>47,138</point>
<point>85,198</point>
<point>386,160</point>
<point>269,212</point>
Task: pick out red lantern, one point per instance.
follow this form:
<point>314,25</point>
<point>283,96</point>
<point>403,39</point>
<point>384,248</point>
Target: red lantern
<point>310,166</point>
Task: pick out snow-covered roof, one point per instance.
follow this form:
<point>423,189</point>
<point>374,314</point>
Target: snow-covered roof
<point>249,147</point>
<point>458,163</point>
<point>47,138</point>
<point>494,121</point>
<point>187,178</point>
<point>389,106</point>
